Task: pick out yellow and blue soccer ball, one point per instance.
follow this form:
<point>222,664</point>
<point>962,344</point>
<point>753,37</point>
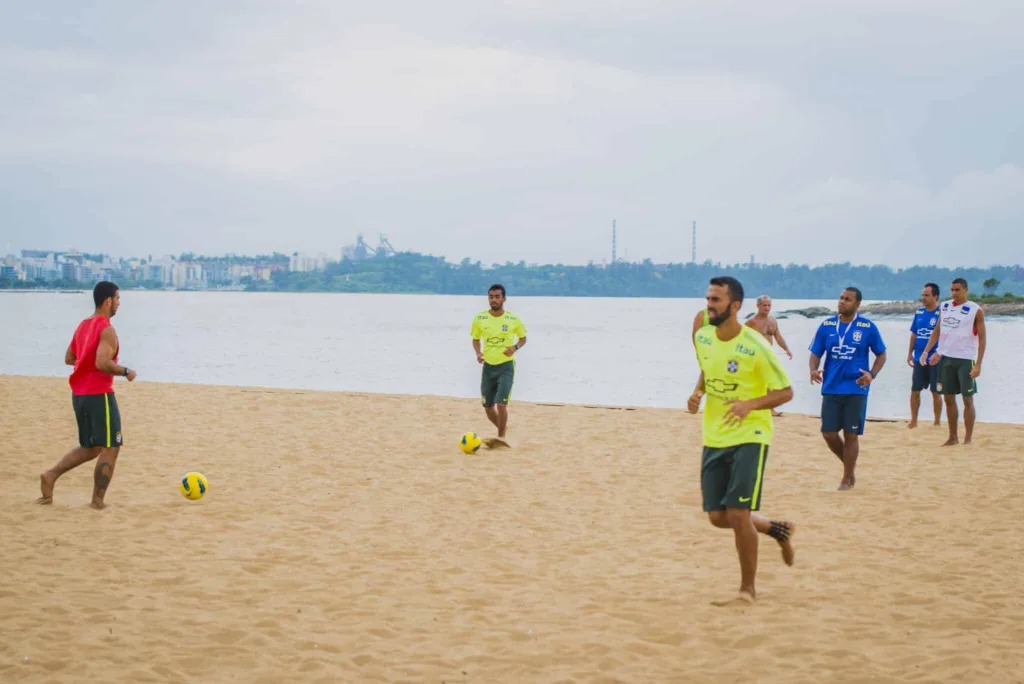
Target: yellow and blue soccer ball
<point>470,442</point>
<point>193,486</point>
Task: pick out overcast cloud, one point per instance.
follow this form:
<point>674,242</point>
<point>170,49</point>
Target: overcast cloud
<point>796,131</point>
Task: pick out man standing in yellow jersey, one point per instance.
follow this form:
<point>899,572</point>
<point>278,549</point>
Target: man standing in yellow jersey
<point>498,329</point>
<point>744,381</point>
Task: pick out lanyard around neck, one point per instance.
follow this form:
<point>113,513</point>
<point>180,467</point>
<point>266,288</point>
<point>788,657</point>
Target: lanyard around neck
<point>842,338</point>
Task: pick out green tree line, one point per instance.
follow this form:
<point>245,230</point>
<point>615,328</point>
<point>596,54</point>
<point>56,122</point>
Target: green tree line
<point>409,272</point>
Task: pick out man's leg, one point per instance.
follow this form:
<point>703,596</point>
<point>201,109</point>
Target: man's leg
<point>70,461</point>
<point>780,530</point>
<point>952,418</point>
<point>488,391</point>
<point>969,415</point>
<point>937,407</point>
<point>835,443</point>
<point>503,394</point>
<point>502,420</point>
<point>832,423</point>
<point>492,415</point>
<point>102,475</point>
<point>746,547</point>
<point>851,450</point>
<point>915,406</point>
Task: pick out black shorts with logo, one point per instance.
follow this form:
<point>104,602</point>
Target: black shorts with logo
<point>99,421</point>
<point>732,477</point>
<point>844,413</point>
<point>955,377</point>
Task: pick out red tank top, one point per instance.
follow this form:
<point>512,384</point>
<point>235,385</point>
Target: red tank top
<point>85,378</point>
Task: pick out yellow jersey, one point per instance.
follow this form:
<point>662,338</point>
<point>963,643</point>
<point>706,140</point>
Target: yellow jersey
<point>498,333</point>
<point>743,368</point>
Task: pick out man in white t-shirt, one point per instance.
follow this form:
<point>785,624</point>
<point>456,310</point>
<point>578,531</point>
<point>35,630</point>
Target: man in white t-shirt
<point>960,335</point>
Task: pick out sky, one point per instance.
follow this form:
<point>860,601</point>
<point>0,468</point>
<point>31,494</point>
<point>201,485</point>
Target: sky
<point>793,131</point>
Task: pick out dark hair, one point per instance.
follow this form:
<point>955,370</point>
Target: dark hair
<point>934,288</point>
<point>960,281</point>
<point>496,286</point>
<point>103,291</point>
<point>856,292</point>
<point>731,284</point>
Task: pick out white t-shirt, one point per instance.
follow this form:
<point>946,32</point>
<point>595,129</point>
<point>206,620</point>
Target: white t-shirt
<point>958,338</point>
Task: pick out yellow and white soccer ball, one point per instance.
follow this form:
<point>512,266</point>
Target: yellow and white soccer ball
<point>470,442</point>
<point>193,486</point>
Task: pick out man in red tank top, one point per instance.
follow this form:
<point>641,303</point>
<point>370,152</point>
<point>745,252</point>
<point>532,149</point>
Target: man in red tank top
<point>93,352</point>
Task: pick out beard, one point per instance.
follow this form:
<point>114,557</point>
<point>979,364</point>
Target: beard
<point>718,319</point>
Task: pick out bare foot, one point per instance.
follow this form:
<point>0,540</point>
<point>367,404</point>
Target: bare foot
<point>912,425</point>
<point>952,441</point>
<point>743,598</point>
<point>845,484</point>
<point>46,490</point>
<point>967,440</point>
<point>495,442</point>
<point>788,552</point>
<point>777,414</point>
<point>97,505</point>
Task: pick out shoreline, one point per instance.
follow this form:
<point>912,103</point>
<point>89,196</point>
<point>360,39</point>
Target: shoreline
<point>903,307</point>
<point>446,397</point>
<point>877,307</point>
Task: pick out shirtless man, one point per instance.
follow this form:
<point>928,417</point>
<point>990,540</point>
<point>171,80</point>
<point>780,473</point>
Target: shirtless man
<point>764,323</point>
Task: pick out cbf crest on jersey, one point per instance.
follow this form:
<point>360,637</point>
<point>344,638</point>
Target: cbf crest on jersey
<point>857,335</point>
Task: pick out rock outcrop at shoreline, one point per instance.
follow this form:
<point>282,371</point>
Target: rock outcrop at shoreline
<point>903,308</point>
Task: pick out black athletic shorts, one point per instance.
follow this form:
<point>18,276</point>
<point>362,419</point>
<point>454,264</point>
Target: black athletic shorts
<point>99,421</point>
<point>925,377</point>
<point>955,377</point>
<point>496,383</point>
<point>843,412</point>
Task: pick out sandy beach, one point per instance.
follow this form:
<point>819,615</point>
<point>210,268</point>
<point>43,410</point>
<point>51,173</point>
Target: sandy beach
<point>345,538</point>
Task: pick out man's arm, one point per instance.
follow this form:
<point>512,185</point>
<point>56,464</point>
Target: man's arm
<point>105,353</point>
<point>509,351</point>
<point>738,410</point>
<point>69,355</point>
<point>933,339</point>
<point>816,374</point>
<point>979,323</point>
<point>910,351</point>
<point>876,367</point>
<point>773,399</point>
<point>781,340</point>
<point>479,353</point>
<point>693,403</point>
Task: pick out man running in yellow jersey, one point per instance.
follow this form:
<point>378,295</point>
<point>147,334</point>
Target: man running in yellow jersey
<point>498,329</point>
<point>744,381</point>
